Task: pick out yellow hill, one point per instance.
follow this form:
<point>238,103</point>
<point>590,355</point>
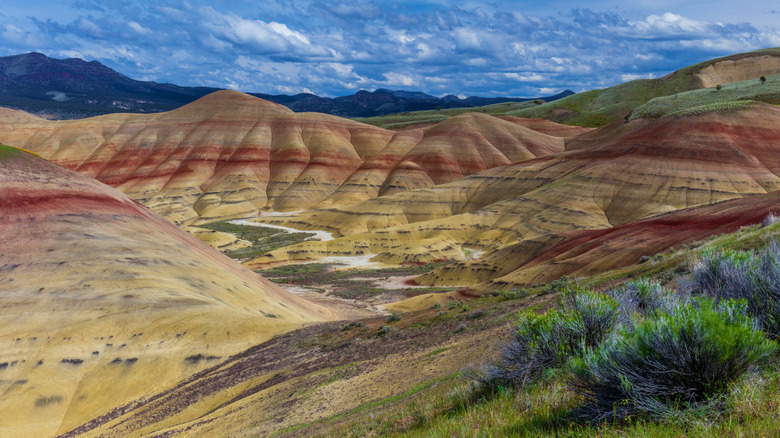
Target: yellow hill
<point>104,301</point>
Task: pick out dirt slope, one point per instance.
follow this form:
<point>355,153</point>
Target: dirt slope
<point>104,301</point>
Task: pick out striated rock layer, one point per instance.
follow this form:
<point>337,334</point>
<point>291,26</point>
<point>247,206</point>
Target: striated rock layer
<point>231,155</point>
<point>612,176</point>
<point>103,300</point>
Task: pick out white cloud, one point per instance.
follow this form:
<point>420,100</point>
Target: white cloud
<point>631,76</point>
<point>467,39</point>
<point>665,26</point>
<point>215,44</point>
<point>86,26</point>
<point>398,79</point>
<point>284,89</point>
<point>138,28</point>
<point>269,38</point>
<point>476,48</point>
<point>525,78</point>
<point>15,35</point>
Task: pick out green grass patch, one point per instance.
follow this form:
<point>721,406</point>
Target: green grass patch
<point>10,152</point>
<point>436,351</point>
<point>264,239</point>
<point>409,119</point>
<point>733,96</point>
<point>599,107</point>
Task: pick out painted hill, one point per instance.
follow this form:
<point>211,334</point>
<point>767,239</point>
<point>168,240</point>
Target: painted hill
<point>104,301</point>
<point>232,155</point>
<point>611,177</point>
<point>74,88</point>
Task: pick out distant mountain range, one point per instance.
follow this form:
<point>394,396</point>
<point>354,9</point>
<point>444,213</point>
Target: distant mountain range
<point>74,88</point>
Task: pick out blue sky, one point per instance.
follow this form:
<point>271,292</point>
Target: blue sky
<point>331,48</point>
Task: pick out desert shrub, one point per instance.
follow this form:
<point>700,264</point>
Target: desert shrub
<point>668,362</point>
<point>540,344</point>
<point>513,294</point>
<point>476,314</point>
<point>594,316</point>
<point>770,219</point>
<point>352,324</point>
<point>642,297</point>
<point>393,317</point>
<point>753,277</point>
<point>455,304</point>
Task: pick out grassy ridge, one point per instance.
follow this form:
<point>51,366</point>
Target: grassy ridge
<point>736,95</point>
<point>600,107</point>
<point>409,119</point>
<point>10,151</point>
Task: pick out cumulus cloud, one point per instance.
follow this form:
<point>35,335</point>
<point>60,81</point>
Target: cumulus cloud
<point>262,38</point>
<point>333,48</point>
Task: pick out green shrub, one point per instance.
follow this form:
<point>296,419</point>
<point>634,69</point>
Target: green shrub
<point>671,361</point>
<point>507,295</point>
<point>643,297</point>
<point>540,344</point>
<point>593,317</point>
<point>743,275</point>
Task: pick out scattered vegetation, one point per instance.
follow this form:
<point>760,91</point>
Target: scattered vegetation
<point>600,107</point>
<point>640,358</point>
<point>669,362</point>
<point>543,343</point>
<point>263,239</point>
<point>753,277</point>
<point>651,354</point>
<point>770,220</point>
<point>351,283</point>
<point>196,358</point>
<point>730,97</point>
<point>423,118</point>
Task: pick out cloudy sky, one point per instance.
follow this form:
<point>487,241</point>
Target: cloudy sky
<point>332,48</point>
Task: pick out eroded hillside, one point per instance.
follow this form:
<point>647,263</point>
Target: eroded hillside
<point>104,301</point>
<point>612,176</point>
<point>231,155</point>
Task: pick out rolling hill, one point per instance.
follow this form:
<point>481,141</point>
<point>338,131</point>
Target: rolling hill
<point>231,155</point>
<point>601,107</point>
<point>610,177</point>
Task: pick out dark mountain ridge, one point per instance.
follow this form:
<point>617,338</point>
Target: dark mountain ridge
<point>74,88</point>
